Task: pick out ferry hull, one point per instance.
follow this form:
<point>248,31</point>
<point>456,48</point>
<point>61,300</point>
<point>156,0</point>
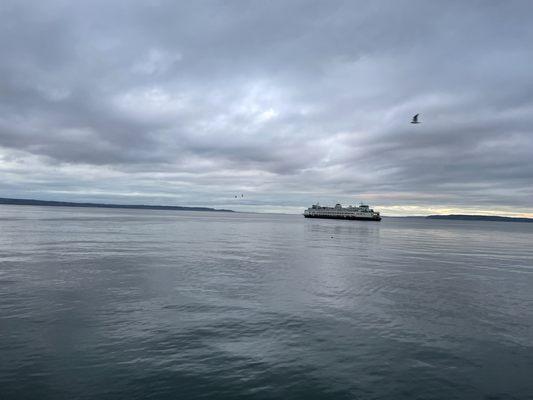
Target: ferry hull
<point>350,217</point>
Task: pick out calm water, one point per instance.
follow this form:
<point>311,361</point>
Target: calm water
<point>136,304</point>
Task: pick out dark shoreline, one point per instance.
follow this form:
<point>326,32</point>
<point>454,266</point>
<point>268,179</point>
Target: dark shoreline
<point>47,203</point>
<point>465,217</point>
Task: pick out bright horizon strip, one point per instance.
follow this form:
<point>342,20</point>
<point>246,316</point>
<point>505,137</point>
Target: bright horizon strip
<point>139,198</point>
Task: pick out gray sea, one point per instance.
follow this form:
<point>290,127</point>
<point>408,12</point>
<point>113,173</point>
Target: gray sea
<point>140,304</point>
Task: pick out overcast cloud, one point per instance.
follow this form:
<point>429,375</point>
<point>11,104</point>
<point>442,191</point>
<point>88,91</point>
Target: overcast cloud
<point>285,102</point>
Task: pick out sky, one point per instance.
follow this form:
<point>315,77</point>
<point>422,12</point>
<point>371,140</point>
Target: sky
<point>281,103</point>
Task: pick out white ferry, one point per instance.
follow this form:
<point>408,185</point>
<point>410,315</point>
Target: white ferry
<point>363,212</point>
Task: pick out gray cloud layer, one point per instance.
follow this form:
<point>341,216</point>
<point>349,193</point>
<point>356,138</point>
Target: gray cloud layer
<point>288,102</point>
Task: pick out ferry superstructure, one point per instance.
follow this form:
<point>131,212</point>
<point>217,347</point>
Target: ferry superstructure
<point>362,212</point>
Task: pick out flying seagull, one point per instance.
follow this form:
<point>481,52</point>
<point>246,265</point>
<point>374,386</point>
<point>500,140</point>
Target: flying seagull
<point>415,119</point>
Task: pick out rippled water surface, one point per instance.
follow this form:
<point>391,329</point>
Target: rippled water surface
<point>135,304</point>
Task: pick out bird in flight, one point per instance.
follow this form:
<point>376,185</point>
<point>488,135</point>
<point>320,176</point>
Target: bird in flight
<point>415,120</point>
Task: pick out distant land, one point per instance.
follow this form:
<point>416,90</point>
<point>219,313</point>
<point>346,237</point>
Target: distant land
<point>479,218</point>
<point>30,202</point>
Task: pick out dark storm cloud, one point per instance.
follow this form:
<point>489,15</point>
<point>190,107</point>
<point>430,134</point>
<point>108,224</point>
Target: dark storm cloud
<point>290,101</point>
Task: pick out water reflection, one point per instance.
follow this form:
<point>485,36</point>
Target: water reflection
<point>133,303</point>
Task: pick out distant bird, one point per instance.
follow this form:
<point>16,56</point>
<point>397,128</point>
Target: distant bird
<point>415,119</point>
<point>235,196</point>
<point>242,195</point>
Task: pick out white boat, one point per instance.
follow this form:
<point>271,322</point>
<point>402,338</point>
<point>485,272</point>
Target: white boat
<point>362,212</point>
